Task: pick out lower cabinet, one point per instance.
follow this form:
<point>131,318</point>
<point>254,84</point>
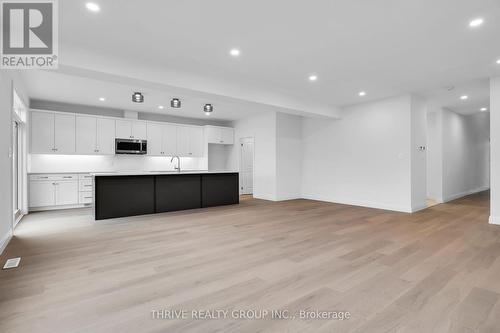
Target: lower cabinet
<point>177,192</point>
<point>55,191</point>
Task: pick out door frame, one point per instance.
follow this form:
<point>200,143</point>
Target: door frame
<point>241,141</point>
<point>19,115</point>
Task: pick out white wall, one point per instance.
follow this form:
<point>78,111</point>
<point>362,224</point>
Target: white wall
<point>262,127</point>
<point>362,159</point>
<point>465,151</point>
<point>288,156</point>
<point>8,80</point>
<point>495,150</point>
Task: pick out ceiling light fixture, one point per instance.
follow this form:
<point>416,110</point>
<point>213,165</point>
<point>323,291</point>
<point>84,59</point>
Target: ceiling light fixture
<point>137,97</point>
<point>175,103</point>
<point>464,97</point>
<point>234,52</point>
<point>313,77</point>
<point>161,107</point>
<point>484,109</point>
<point>102,99</point>
<point>362,93</point>
<point>208,109</point>
<point>476,22</point>
<point>93,7</point>
<point>498,61</point>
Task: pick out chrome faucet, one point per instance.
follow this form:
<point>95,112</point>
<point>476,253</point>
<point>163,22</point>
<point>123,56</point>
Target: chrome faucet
<point>178,168</point>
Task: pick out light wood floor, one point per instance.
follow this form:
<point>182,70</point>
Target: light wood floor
<point>434,271</point>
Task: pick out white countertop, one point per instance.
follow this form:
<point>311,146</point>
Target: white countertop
<point>145,173</point>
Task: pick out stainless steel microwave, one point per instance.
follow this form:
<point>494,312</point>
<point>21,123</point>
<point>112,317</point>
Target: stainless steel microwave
<point>131,146</point>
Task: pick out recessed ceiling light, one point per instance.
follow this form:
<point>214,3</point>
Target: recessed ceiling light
<point>93,7</point>
<point>484,109</point>
<point>362,93</point>
<point>161,107</point>
<point>498,61</point>
<point>175,103</point>
<point>313,77</point>
<point>102,99</point>
<point>137,97</point>
<point>234,52</point>
<point>464,97</point>
<point>476,22</point>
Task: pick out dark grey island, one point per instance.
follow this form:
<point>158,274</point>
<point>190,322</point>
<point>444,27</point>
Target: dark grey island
<point>129,194</point>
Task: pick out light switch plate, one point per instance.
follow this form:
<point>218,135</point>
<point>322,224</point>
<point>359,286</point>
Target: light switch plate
<point>12,263</point>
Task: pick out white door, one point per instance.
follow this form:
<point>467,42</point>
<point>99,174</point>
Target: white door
<point>155,132</point>
<point>66,193</point>
<point>105,136</point>
<point>169,138</point>
<point>64,129</point>
<point>183,141</point>
<point>124,129</point>
<point>139,130</point>
<point>42,193</point>
<point>42,132</point>
<point>227,136</point>
<point>86,135</point>
<point>195,142</point>
<point>246,165</point>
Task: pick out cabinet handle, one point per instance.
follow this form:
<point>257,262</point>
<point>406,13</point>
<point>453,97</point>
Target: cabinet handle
<point>70,177</point>
<point>190,153</point>
<point>87,185</point>
<point>43,177</point>
<point>87,197</point>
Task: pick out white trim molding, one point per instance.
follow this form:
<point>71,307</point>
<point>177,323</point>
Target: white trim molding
<point>494,220</point>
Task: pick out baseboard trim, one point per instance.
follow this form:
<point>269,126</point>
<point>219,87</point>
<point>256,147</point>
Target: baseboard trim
<point>464,194</point>
<point>368,204</point>
<point>494,220</point>
<point>5,241</point>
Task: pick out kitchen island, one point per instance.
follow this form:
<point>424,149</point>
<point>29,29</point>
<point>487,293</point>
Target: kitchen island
<point>130,194</point>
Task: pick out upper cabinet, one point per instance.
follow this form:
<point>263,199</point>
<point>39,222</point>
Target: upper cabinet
<point>95,135</point>
<point>190,141</point>
<point>52,133</point>
<point>220,135</point>
<point>162,139</point>
<point>131,129</point>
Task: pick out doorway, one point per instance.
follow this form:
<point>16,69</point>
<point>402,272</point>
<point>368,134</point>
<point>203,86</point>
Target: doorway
<point>246,165</point>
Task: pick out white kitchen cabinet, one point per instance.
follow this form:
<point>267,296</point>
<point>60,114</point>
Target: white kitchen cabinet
<point>105,136</point>
<point>52,133</point>
<point>86,138</point>
<point>131,129</point>
<point>42,193</point>
<point>42,132</point>
<point>64,136</point>
<point>95,135</point>
<point>182,136</point>
<point>155,139</point>
<point>195,142</point>
<point>220,135</point>
<point>169,140</point>
<point>66,192</point>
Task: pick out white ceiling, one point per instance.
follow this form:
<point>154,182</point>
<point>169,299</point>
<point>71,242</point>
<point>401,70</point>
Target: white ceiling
<point>384,47</point>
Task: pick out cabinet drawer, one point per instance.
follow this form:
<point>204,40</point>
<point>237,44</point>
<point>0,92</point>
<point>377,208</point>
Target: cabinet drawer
<point>85,176</point>
<point>85,185</point>
<point>85,197</point>
<point>53,176</point>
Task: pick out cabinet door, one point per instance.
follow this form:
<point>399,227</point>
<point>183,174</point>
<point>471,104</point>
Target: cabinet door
<point>86,135</point>
<point>123,129</point>
<point>66,193</point>
<point>42,132</point>
<point>227,135</point>
<point>42,193</point>
<point>195,142</point>
<point>214,134</point>
<point>64,129</point>
<point>105,136</point>
<point>183,141</point>
<point>139,130</point>
<point>169,140</point>
<point>155,138</point>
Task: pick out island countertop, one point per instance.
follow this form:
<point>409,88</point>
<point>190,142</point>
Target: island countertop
<point>169,172</point>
